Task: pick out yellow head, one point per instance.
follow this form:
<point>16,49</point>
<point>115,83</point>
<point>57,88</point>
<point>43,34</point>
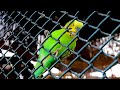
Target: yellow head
<point>73,26</point>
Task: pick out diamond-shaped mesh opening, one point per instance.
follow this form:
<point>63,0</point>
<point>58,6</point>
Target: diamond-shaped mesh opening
<point>112,25</point>
<point>95,19</point>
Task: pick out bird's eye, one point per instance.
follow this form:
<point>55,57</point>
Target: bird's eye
<point>69,28</point>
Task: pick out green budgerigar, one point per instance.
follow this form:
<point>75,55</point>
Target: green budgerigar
<point>57,45</point>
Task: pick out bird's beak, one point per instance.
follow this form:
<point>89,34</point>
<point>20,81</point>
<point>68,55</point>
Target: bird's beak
<point>73,31</point>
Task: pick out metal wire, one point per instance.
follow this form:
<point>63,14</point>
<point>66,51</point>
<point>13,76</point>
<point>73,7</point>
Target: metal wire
<point>25,27</point>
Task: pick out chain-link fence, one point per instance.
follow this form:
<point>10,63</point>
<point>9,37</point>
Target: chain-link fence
<point>22,34</point>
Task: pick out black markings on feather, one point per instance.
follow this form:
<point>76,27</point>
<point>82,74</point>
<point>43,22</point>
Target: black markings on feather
<point>73,24</point>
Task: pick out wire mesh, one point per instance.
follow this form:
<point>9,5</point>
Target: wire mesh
<point>23,33</point>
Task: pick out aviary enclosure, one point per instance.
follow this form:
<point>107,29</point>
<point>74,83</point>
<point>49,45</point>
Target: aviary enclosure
<point>96,55</point>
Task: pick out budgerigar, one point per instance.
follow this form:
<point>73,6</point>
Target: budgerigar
<point>57,45</point>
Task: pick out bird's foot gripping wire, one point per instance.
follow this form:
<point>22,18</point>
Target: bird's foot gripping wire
<point>56,51</point>
<point>46,33</point>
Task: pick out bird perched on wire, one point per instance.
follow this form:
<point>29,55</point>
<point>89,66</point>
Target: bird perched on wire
<point>57,44</point>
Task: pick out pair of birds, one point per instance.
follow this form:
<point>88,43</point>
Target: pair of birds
<point>58,44</point>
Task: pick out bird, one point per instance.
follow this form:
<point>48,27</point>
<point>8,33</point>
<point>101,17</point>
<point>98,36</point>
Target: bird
<point>57,44</point>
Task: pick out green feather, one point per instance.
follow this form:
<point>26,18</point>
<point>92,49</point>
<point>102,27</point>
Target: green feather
<point>54,48</point>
